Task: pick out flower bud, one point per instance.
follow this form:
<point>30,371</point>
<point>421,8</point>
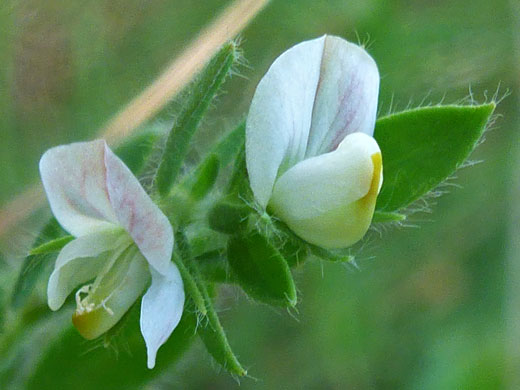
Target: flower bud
<point>310,154</point>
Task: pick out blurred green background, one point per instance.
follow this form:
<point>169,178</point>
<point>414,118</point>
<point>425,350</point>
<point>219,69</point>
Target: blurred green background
<point>433,305</point>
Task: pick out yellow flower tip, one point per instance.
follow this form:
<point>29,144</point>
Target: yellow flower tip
<point>344,226</point>
<point>375,185</point>
<point>90,324</point>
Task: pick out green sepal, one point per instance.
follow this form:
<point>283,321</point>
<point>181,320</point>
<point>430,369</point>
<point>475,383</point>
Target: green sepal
<point>202,93</point>
<point>422,147</point>
<point>332,256</point>
<point>228,216</point>
<point>384,216</point>
<point>34,265</point>
<point>261,270</point>
<point>51,246</point>
<point>206,178</point>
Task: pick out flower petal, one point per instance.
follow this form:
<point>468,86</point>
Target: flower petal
<point>329,200</point>
<point>312,96</point>
<point>138,214</point>
<point>92,324</point>
<point>280,116</point>
<point>346,99</point>
<point>74,179</point>
<point>161,309</point>
<point>78,262</point>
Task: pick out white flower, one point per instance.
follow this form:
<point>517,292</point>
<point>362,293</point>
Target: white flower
<point>310,154</point>
<point>123,241</point>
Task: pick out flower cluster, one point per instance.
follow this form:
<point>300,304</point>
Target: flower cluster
<point>311,160</point>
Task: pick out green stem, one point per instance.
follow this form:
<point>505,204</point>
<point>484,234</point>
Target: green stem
<point>190,285</point>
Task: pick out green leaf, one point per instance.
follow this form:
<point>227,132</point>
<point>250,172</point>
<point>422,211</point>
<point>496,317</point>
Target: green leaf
<point>51,246</point>
<point>202,93</point>
<point>261,270</point>
<point>227,217</point>
<point>71,362</point>
<point>382,216</point>
<point>34,265</point>
<point>423,147</point>
<point>206,178</point>
<point>238,184</point>
<point>225,150</point>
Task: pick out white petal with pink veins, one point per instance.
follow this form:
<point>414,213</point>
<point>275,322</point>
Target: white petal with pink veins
<point>138,214</point>
<point>74,180</point>
<point>346,99</point>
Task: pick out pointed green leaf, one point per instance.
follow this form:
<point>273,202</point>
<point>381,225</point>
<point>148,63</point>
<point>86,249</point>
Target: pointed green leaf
<point>423,147</point>
<point>206,178</point>
<point>51,246</point>
<point>202,93</point>
<point>225,150</point>
<point>261,270</point>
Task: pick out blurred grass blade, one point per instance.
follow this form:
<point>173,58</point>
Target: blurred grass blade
<point>35,264</point>
<point>261,270</point>
<point>423,147</point>
<point>201,94</point>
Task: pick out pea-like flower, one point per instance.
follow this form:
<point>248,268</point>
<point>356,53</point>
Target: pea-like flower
<point>123,244</point>
<point>310,154</point>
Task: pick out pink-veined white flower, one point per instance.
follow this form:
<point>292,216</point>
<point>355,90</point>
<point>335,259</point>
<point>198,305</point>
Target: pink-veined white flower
<point>310,154</point>
<point>123,244</point>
